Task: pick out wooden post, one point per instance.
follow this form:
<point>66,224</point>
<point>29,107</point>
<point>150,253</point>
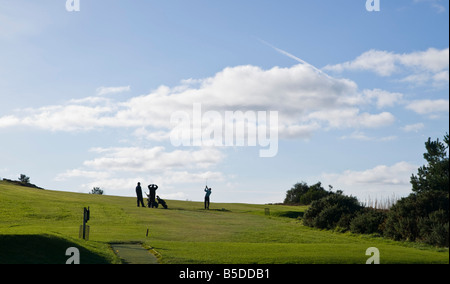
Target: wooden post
<point>86,217</point>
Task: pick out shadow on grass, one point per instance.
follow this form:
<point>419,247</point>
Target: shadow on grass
<point>289,214</point>
<point>42,249</point>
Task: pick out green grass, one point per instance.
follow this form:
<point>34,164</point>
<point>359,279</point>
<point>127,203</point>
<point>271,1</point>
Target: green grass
<point>37,226</point>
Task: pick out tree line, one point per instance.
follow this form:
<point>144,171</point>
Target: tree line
<point>423,216</point>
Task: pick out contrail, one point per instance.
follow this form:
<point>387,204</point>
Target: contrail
<point>292,56</point>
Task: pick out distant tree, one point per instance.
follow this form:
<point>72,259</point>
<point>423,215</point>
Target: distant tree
<point>293,195</point>
<point>97,190</point>
<point>435,175</point>
<point>24,179</point>
<point>303,194</point>
<point>424,214</point>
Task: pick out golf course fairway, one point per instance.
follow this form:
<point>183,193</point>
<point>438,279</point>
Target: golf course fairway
<point>38,226</point>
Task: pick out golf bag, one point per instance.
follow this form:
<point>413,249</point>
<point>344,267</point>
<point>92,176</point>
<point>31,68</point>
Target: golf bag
<point>162,202</point>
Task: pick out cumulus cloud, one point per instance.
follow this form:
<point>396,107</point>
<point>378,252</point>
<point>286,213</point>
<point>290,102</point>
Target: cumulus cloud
<point>399,173</point>
<point>306,100</point>
<point>118,169</point>
<point>156,159</point>
<point>352,118</point>
<point>380,62</point>
<point>430,65</point>
<point>383,98</point>
<point>382,180</point>
<point>8,121</point>
<point>430,107</point>
<point>413,127</point>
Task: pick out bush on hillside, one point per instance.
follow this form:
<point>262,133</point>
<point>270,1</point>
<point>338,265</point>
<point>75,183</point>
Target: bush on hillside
<point>368,221</point>
<point>335,210</point>
<point>420,217</point>
<point>434,228</point>
<point>303,194</point>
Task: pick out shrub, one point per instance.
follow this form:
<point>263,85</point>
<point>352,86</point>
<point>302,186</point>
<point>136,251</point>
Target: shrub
<point>419,217</point>
<point>434,228</point>
<point>335,210</point>
<point>368,221</point>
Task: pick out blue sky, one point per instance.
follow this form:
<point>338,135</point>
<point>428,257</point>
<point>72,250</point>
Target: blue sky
<point>86,97</point>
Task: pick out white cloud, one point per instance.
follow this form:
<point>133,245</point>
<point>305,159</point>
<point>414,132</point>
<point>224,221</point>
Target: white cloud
<point>117,170</point>
<point>399,173</point>
<point>383,98</point>
<point>381,180</point>
<point>432,107</point>
<point>112,90</point>
<point>429,65</point>
<point>433,60</point>
<point>441,78</point>
<point>306,100</point>
<point>413,127</point>
<point>157,159</point>
<point>352,118</point>
<point>358,135</point>
<point>380,62</point>
<point>8,121</point>
<point>72,117</point>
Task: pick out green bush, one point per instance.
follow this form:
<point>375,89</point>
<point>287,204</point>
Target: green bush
<point>335,210</point>
<point>368,221</point>
<point>420,217</point>
<point>434,228</point>
<point>304,194</point>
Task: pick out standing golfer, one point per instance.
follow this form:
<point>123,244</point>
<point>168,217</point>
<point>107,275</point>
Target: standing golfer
<point>208,193</point>
<point>152,195</point>
<point>140,199</point>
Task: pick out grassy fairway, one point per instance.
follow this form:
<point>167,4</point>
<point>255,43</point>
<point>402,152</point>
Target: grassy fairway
<point>37,226</point>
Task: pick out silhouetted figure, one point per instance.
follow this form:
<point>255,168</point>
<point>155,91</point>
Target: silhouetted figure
<point>208,193</point>
<point>152,195</point>
<point>162,202</point>
<point>140,199</point>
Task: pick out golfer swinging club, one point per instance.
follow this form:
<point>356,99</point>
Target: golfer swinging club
<point>208,193</point>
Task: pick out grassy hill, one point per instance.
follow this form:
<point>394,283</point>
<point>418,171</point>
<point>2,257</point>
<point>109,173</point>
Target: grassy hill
<point>37,226</point>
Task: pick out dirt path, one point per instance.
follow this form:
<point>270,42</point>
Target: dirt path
<point>134,253</point>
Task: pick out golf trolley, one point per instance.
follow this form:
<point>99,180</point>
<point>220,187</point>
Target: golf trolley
<point>155,204</point>
<point>162,202</point>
